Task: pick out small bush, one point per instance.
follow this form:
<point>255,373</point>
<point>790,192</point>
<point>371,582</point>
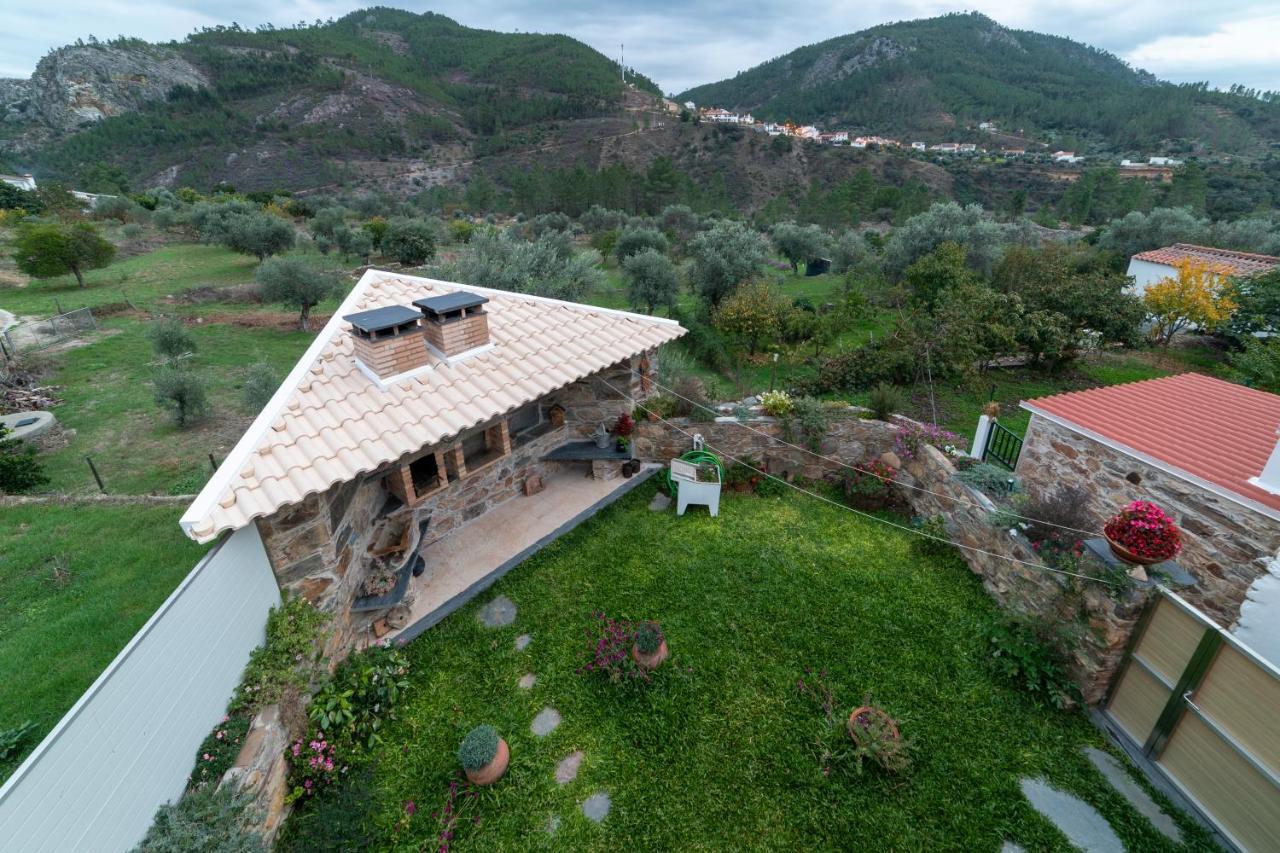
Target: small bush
<point>337,819</point>
<point>1035,655</point>
<point>20,467</point>
<point>260,383</point>
<point>170,339</point>
<point>771,487</point>
<point>211,820</point>
<point>870,484</point>
<point>218,752</point>
<point>132,231</point>
<point>807,421</point>
<point>885,401</point>
<point>316,766</point>
<point>649,637</point>
<point>11,739</point>
<point>910,438</point>
<point>478,748</point>
<point>935,541</point>
<point>288,657</point>
<point>776,403</point>
<point>991,480</point>
<point>361,695</point>
<point>182,392</point>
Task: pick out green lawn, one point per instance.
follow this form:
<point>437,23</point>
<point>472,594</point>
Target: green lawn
<point>718,752</point>
<point>107,400</point>
<point>58,633</point>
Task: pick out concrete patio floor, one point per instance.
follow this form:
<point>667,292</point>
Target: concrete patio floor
<point>471,558</point>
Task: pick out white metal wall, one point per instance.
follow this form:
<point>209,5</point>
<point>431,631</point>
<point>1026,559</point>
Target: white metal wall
<point>128,743</point>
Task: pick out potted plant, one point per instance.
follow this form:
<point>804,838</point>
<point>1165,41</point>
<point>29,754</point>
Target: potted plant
<point>622,444</point>
<point>484,755</point>
<point>380,580</point>
<point>1143,534</point>
<point>624,426</point>
<point>876,738</point>
<point>650,647</point>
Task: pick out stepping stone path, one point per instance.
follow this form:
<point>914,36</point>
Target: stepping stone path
<point>1083,825</point>
<point>553,825</point>
<point>567,770</point>
<point>1137,797</point>
<point>545,723</point>
<point>527,681</point>
<point>1010,847</point>
<point>522,642</point>
<point>499,612</point>
<point>660,503</point>
<point>596,807</point>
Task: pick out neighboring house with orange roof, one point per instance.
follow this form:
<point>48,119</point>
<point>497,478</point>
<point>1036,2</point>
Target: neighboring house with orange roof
<point>428,403</point>
<point>1146,268</point>
<point>1203,449</point>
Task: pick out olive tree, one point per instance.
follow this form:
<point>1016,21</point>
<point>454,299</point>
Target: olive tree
<point>259,234</point>
<point>294,283</point>
<point>724,256</point>
<point>634,240</point>
<point>799,243</point>
<point>49,249</point>
<point>651,280</point>
<point>411,242</point>
<point>182,392</point>
<point>983,238</point>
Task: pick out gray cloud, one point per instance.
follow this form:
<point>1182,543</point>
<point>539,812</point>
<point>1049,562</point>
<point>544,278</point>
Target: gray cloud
<point>682,44</point>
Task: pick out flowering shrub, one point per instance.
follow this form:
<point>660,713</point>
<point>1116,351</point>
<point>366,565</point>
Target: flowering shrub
<point>776,403</point>
<point>910,437</point>
<point>1144,530</point>
<point>868,485</point>
<point>624,425</point>
<point>315,766</point>
<point>610,650</point>
<point>218,752</point>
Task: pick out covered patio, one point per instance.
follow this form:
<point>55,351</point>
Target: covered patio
<point>468,560</point>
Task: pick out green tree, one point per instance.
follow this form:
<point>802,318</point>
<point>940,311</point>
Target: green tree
<point>411,242</point>
<point>170,339</point>
<point>1258,364</point>
<point>753,313</point>
<point>634,240</point>
<point>651,280</point>
<point>936,273</point>
<point>182,392</point>
<point>20,468</point>
<point>260,383</point>
<point>294,283</point>
<point>1258,306</point>
<point>49,249</point>
<point>982,238</point>
<point>724,257</point>
<point>1137,232</point>
<point>800,243</point>
<point>259,234</point>
<point>481,194</point>
<point>377,227</point>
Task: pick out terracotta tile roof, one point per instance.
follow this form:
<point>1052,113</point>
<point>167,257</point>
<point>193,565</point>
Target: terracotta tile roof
<point>1222,261</point>
<point>1191,425</point>
<point>329,422</point>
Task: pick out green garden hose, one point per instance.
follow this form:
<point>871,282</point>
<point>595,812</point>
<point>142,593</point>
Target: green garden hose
<point>697,457</point>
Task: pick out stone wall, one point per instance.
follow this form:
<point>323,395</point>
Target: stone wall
<point>1227,545</point>
<point>987,550</point>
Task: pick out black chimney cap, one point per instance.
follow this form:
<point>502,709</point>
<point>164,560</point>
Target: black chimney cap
<point>458,300</point>
<point>381,319</point>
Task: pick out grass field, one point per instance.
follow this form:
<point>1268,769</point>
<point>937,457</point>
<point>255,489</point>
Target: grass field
<point>58,630</point>
<point>720,751</point>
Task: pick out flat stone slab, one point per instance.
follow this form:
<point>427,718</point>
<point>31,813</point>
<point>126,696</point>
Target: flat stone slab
<point>1084,826</point>
<point>596,807</point>
<point>499,612</point>
<point>567,770</point>
<point>527,681</point>
<point>660,503</point>
<point>553,825</point>
<point>1010,847</point>
<point>545,723</point>
<point>1115,773</point>
<point>522,642</point>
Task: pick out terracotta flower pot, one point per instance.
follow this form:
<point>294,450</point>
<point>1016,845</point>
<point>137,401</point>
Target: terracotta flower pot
<point>870,711</point>
<point>652,661</point>
<point>492,771</point>
<point>1123,553</point>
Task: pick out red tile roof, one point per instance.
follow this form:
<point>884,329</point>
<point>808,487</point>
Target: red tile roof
<point>1223,261</point>
<point>1189,424</point>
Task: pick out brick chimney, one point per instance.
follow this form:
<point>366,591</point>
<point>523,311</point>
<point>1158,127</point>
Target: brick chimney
<point>388,341</point>
<point>454,322</point>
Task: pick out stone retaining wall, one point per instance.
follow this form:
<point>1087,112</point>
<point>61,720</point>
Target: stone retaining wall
<point>1227,546</point>
<point>1021,588</point>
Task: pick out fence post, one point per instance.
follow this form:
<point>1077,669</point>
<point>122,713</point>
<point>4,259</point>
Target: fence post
<point>213,463</point>
<point>981,436</point>
<point>95,475</point>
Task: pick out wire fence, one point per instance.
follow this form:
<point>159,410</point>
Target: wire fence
<point>39,334</point>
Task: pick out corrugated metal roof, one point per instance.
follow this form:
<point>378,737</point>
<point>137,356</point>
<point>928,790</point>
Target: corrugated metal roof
<point>330,422</point>
<point>1212,430</point>
<point>1222,261</point>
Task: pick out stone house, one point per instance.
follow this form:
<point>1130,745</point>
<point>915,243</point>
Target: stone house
<point>421,406</point>
<point>1201,448</point>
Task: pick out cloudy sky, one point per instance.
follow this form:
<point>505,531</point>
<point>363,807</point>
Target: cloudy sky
<point>682,43</point>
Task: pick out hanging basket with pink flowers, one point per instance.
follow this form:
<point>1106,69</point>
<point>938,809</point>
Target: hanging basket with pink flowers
<point>1143,534</point>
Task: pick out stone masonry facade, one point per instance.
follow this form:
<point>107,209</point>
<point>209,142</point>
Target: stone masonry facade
<point>1227,545</point>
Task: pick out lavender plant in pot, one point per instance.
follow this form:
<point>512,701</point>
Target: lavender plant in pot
<point>650,647</point>
<point>484,755</point>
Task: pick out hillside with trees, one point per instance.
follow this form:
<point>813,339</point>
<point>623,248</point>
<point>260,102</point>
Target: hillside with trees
<point>944,74</point>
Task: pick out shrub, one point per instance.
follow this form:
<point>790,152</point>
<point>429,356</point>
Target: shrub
<point>11,739</point>
<point>910,438</point>
<point>182,392</point>
<point>411,242</point>
<point>885,401</point>
<point>610,650</point>
<point>132,231</point>
<point>170,339</point>
<point>20,466</point>
<point>1057,521</point>
<point>869,485</point>
<point>776,403</point>
<point>211,820</point>
<point>259,234</point>
<point>260,383</point>
<point>287,657</point>
<point>478,748</point>
<point>632,241</point>
<point>1036,655</point>
<point>808,422</point>
<point>361,695</point>
<point>338,818</point>
<point>935,541</point>
<point>771,487</point>
<point>316,765</point>
<point>989,479</point>
<point>649,637</point>
<point>1146,531</point>
<point>218,752</point>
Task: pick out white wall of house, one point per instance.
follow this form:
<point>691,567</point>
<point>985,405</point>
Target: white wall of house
<point>1259,623</point>
<point>1146,273</point>
<point>128,744</point>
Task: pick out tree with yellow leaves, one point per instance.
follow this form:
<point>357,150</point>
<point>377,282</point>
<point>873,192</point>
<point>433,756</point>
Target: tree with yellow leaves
<point>1197,296</point>
<point>752,314</point>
